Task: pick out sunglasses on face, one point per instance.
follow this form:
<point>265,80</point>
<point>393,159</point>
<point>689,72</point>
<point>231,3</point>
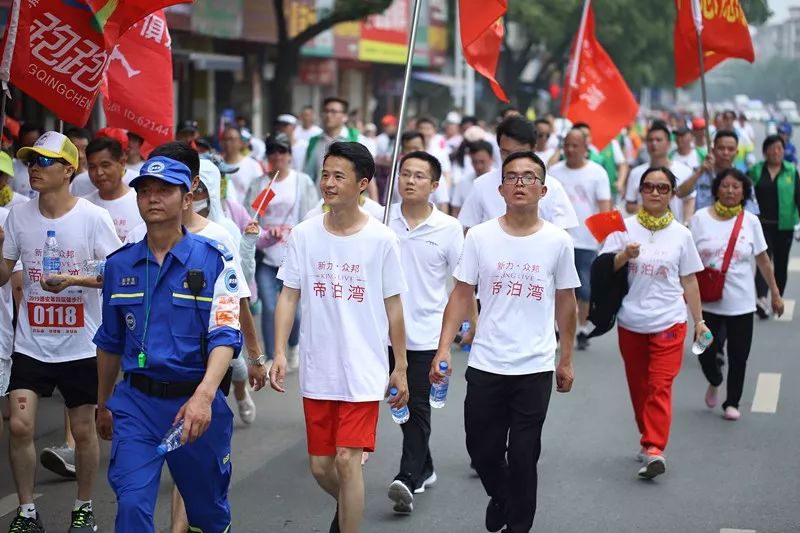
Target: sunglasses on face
<point>662,188</point>
<point>44,162</point>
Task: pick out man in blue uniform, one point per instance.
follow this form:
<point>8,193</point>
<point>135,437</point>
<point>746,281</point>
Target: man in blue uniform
<point>171,323</point>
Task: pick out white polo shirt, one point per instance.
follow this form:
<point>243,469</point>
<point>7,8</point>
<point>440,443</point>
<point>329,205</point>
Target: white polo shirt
<point>429,254</point>
<point>485,203</point>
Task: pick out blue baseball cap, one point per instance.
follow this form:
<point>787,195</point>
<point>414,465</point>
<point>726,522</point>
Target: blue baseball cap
<point>165,169</point>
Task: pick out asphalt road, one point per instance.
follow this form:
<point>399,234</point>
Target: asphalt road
<point>721,476</point>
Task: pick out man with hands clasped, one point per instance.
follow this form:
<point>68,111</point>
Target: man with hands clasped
<point>525,272</point>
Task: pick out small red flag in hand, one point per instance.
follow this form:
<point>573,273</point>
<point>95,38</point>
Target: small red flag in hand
<point>262,201</point>
<point>604,224</point>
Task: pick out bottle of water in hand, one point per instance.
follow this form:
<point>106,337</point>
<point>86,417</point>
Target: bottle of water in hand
<point>400,415</point>
<point>51,257</point>
<point>172,440</point>
<point>438,396</point>
<point>463,333</point>
<point>702,343</point>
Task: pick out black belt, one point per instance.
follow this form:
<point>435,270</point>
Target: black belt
<point>171,390</point>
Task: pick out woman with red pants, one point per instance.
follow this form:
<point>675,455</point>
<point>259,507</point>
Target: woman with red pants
<point>661,259</point>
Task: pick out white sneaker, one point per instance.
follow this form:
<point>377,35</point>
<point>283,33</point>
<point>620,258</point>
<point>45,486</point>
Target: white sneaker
<point>59,459</point>
<point>401,495</point>
<point>247,408</point>
<point>292,358</point>
<point>429,482</point>
<point>731,413</point>
<point>642,455</point>
<point>655,465</point>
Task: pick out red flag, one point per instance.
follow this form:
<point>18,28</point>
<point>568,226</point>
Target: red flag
<point>601,225</point>
<point>60,49</point>
<point>724,34</point>
<point>595,91</point>
<point>263,199</point>
<point>138,95</point>
<point>481,36</point>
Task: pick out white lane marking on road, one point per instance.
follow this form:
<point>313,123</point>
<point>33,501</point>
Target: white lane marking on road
<point>728,530</point>
<point>10,503</point>
<point>788,311</point>
<point>768,388</point>
<point>794,264</point>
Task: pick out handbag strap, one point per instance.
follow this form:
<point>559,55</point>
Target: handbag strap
<point>732,242</point>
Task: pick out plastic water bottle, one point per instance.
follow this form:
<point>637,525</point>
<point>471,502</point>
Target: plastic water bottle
<point>51,257</point>
<point>702,343</point>
<point>463,332</point>
<point>438,396</point>
<point>399,414</point>
<point>172,440</point>
<point>94,267</point>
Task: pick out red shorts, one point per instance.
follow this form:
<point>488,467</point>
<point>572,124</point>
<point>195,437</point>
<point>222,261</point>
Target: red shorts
<point>332,424</point>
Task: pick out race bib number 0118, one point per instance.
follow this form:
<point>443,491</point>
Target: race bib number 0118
<point>52,315</point>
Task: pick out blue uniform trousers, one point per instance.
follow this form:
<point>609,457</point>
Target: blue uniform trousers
<point>201,470</point>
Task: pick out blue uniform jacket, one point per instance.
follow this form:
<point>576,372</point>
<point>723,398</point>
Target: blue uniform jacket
<point>134,282</point>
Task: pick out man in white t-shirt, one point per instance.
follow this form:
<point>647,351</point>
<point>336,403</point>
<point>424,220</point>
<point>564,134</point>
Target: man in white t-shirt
<point>106,170</point>
<point>249,169</point>
<point>345,267</point>
<point>524,271</point>
<point>685,152</point>
<point>515,134</point>
<point>413,141</point>
<point>543,132</point>
<point>307,128</point>
<point>657,142</point>
<point>59,317</point>
<point>587,187</point>
<point>430,245</point>
<point>481,154</point>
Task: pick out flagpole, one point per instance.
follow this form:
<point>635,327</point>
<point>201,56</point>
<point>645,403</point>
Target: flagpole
<point>412,40</point>
<point>266,194</point>
<point>703,86</point>
<point>573,74</point>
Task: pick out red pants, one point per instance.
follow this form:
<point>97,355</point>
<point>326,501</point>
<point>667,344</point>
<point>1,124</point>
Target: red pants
<point>652,361</point>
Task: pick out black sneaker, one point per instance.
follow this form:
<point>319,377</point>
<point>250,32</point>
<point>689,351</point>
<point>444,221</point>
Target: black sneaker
<point>400,493</point>
<point>335,524</point>
<point>83,520</point>
<point>23,524</point>
<point>495,515</point>
<point>583,341</point>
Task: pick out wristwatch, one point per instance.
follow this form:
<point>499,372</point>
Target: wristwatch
<point>261,360</point>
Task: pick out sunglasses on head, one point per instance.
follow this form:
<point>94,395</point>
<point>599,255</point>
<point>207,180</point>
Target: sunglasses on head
<point>44,162</point>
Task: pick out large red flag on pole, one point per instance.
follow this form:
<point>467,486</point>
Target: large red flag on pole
<point>596,92</point>
<point>61,49</point>
<point>481,37</point>
<point>138,96</point>
<point>724,34</point>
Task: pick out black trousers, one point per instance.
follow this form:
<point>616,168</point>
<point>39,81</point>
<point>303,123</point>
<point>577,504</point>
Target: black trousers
<point>503,418</point>
<point>779,244</point>
<point>739,338</point>
<point>416,463</point>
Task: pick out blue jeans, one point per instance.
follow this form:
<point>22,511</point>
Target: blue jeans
<point>269,287</point>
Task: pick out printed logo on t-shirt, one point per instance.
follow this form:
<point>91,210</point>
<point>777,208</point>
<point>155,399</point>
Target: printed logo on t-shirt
<point>231,282</point>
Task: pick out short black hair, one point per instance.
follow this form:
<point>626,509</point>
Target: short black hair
<point>729,113</point>
<point>721,134</point>
<point>436,167</point>
<point>542,121</point>
<point>336,99</point>
<point>527,155</point>
<point>105,143</point>
<point>518,128</point>
<point>673,181</point>
<point>78,133</point>
<point>426,120</point>
<point>770,140</point>
<point>508,109</point>
<point>357,154</point>
<point>738,175</point>
<point>481,146</point>
<point>28,127</point>
<point>581,125</point>
<point>659,125</point>
<point>135,137</point>
<point>180,151</point>
<point>469,119</point>
<point>409,136</point>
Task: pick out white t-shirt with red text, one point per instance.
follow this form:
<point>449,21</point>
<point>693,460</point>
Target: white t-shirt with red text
<point>517,278</point>
<point>585,187</point>
<point>682,173</point>
<point>124,211</point>
<point>58,327</point>
<point>344,330</point>
<point>711,237</point>
<point>654,302</point>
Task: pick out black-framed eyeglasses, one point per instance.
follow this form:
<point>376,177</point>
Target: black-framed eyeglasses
<point>529,178</point>
<point>662,188</point>
<point>44,161</point>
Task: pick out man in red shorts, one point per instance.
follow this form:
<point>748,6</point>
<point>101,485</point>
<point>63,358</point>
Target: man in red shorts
<point>345,268</point>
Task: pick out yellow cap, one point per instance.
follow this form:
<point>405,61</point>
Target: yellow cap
<point>6,166</point>
<point>52,144</point>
